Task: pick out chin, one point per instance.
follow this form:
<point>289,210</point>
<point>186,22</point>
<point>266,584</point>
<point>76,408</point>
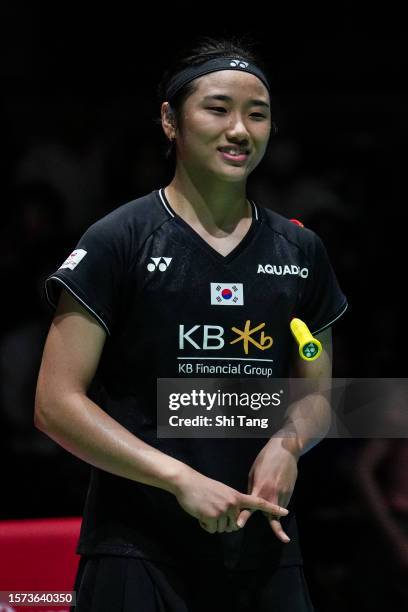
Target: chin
<point>235,179</point>
<point>233,174</point>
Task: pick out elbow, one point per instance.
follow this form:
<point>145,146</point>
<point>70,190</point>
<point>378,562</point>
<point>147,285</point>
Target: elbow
<point>39,422</point>
<point>39,413</point>
<point>42,408</point>
<point>54,407</point>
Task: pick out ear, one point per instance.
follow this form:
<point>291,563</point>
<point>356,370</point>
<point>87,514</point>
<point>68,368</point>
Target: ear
<point>168,121</point>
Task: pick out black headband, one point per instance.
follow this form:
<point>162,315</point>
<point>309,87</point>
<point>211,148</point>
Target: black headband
<point>213,65</point>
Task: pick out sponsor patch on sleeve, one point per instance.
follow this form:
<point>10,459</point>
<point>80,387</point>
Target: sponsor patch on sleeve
<point>73,260</point>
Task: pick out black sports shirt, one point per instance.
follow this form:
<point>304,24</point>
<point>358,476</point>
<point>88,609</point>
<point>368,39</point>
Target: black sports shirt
<point>169,302</point>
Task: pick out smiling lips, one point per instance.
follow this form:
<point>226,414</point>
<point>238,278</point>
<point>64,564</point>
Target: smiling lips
<point>233,154</point>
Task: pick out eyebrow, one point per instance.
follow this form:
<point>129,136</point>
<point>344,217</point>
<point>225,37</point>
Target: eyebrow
<point>224,98</point>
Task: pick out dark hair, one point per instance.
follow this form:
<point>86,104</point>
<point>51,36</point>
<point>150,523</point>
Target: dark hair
<point>206,48</point>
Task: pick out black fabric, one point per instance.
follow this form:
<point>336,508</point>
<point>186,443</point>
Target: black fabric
<point>213,65</point>
<point>123,584</point>
<point>320,294</point>
<point>147,277</point>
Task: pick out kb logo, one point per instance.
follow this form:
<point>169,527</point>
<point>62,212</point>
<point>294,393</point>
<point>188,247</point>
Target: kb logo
<point>212,337</point>
<point>159,265</point>
<point>239,64</point>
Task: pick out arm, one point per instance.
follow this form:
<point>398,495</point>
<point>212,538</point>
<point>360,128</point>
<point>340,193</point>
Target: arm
<point>308,418</point>
<point>65,413</point>
<point>274,471</point>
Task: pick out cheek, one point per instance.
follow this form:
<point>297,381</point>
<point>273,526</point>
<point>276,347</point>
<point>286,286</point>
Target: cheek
<point>263,140</point>
<point>201,128</point>
<point>200,138</point>
<point>206,131</point>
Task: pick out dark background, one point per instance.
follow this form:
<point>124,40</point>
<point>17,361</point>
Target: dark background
<point>79,138</point>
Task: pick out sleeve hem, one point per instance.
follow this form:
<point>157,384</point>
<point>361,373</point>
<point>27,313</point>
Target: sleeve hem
<point>341,312</point>
<point>91,311</point>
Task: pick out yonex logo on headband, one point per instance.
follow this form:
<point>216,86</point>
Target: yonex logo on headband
<point>216,64</point>
<point>239,64</point>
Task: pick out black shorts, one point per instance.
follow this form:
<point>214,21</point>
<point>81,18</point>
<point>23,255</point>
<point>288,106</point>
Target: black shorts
<point>126,584</point>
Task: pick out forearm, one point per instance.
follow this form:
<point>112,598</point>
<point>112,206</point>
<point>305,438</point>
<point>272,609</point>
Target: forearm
<point>308,417</point>
<point>81,427</point>
<point>307,421</point>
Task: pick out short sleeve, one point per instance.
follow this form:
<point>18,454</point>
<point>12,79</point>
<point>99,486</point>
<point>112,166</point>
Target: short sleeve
<point>321,302</point>
<point>92,273</point>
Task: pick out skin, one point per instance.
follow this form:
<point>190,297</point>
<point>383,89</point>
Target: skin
<point>209,192</point>
<point>64,412</point>
<point>274,472</point>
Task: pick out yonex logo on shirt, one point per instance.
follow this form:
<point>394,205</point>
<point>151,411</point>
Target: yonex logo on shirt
<point>283,270</point>
<point>159,265</point>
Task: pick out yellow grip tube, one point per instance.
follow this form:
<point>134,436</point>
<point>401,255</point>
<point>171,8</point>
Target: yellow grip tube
<point>309,348</point>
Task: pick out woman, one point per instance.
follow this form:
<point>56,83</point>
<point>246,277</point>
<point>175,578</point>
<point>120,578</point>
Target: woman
<point>155,290</point>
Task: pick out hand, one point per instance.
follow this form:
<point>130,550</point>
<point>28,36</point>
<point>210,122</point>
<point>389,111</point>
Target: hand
<point>272,477</point>
<point>216,505</point>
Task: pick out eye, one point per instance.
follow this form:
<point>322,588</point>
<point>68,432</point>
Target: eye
<point>258,115</point>
<point>218,109</point>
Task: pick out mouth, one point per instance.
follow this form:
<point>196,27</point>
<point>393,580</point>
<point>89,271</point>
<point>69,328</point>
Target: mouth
<point>233,154</point>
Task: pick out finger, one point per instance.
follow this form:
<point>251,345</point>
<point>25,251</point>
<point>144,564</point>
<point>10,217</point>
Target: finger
<point>233,517</point>
<point>222,523</point>
<point>250,488</point>
<point>243,517</point>
<point>278,530</point>
<point>232,524</point>
<point>210,525</point>
<point>257,503</point>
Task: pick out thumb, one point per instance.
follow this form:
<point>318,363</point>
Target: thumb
<point>244,516</point>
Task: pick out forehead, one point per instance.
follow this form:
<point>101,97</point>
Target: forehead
<point>234,83</point>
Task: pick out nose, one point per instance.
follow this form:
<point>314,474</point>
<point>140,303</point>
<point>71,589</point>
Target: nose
<point>237,130</point>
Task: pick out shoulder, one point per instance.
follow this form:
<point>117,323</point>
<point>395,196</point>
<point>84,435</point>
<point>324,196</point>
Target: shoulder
<point>140,217</point>
<point>301,238</point>
<point>123,232</point>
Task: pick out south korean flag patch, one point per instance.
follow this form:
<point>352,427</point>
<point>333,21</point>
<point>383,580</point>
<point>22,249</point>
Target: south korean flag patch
<point>74,259</point>
<point>227,294</point>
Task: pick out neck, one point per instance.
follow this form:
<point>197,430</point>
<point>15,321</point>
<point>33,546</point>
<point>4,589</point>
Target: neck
<point>214,205</point>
